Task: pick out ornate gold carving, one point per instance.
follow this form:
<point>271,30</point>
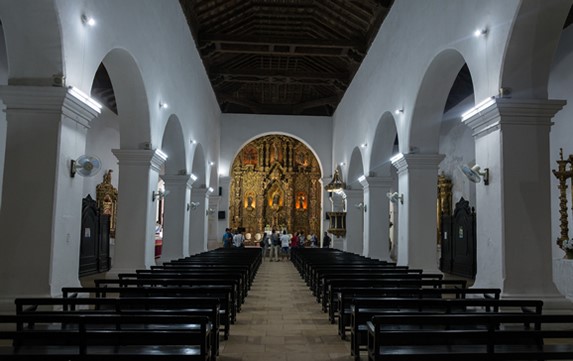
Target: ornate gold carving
<point>275,182</point>
<point>562,174</point>
<point>106,197</point>
<point>444,204</point>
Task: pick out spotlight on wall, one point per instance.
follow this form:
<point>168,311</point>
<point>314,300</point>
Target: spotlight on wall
<point>399,111</point>
<point>209,211</point>
<point>211,163</point>
<point>158,195</point>
<point>395,197</point>
<point>163,105</point>
<point>210,190</point>
<point>88,20</point>
<point>480,32</point>
<point>361,206</point>
<point>193,177</point>
<point>193,141</point>
<point>342,164</point>
<point>194,205</point>
<point>363,145</point>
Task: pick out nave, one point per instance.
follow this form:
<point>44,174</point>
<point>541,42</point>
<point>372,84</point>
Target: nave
<point>282,321</point>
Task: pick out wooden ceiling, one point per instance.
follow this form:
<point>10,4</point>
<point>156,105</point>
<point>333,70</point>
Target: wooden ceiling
<point>294,57</point>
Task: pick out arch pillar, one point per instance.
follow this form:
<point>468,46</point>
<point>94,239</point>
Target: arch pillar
<point>135,232</point>
<point>41,208</point>
<point>198,221</point>
<point>513,211</point>
<point>376,210</point>
<point>417,180</point>
<point>354,221</point>
<point>176,227</point>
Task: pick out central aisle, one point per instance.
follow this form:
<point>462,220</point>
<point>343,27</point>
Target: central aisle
<point>281,321</point>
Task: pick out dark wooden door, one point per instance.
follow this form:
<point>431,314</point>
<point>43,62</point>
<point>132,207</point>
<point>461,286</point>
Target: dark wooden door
<point>459,241</point>
<point>94,239</point>
<point>89,238</point>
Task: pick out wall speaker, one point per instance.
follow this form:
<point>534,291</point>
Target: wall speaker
<point>221,215</point>
<point>220,191</point>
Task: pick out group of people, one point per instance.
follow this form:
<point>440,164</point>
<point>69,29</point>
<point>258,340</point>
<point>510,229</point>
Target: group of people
<point>278,243</point>
<point>236,239</point>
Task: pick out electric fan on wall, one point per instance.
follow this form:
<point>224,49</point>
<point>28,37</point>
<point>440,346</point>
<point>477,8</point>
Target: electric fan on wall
<point>86,166</point>
<point>475,174</point>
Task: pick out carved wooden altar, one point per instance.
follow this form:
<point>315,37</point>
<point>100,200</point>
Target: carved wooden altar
<point>106,196</point>
<point>275,183</point>
<point>444,204</point>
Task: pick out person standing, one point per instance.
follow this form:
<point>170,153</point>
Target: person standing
<point>326,241</point>
<point>227,238</point>
<point>276,246</point>
<point>285,239</point>
<point>238,238</point>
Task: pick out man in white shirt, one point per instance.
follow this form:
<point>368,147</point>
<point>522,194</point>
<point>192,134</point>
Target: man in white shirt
<point>238,238</point>
<point>285,240</point>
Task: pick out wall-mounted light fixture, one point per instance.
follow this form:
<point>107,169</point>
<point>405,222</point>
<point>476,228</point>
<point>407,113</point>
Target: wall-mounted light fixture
<point>194,205</point>
<point>399,111</point>
<point>211,163</point>
<point>193,141</point>
<point>363,145</point>
<point>158,195</point>
<point>193,177</point>
<point>210,190</point>
<point>163,105</point>
<point>395,197</point>
<point>84,98</point>
<point>478,108</point>
<point>396,157</point>
<point>342,164</point>
<point>88,20</point>
<point>209,211</point>
<point>480,32</point>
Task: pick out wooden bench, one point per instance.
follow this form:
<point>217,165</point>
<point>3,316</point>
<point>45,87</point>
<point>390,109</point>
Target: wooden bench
<point>177,283</point>
<point>470,337</point>
<point>363,311</point>
<point>334,285</point>
<point>347,295</point>
<point>106,337</point>
<point>185,306</point>
<point>222,293</point>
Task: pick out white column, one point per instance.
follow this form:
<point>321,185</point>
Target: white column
<point>354,221</point>
<point>135,232</point>
<point>197,231</point>
<point>513,211</point>
<point>176,217</point>
<point>417,181</point>
<point>213,241</point>
<point>376,217</point>
<point>41,203</point>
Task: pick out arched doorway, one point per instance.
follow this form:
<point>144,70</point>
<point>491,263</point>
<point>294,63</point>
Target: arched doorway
<point>275,183</point>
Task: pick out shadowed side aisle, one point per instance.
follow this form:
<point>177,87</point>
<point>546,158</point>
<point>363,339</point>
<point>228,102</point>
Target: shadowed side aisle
<point>281,320</point>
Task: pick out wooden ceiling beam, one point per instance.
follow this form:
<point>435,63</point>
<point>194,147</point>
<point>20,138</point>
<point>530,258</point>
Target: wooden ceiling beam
<point>283,74</point>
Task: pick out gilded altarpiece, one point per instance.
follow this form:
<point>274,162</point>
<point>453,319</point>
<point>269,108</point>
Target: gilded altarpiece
<point>275,184</point>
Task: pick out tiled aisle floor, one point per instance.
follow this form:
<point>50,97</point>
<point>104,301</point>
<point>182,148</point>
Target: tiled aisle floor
<point>281,320</point>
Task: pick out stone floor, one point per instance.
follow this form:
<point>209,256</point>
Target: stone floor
<point>281,320</point>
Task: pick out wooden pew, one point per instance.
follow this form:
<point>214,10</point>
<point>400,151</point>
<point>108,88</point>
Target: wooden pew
<point>363,309</point>
<point>334,285</point>
<point>470,337</point>
<point>222,293</point>
<point>184,306</point>
<point>166,283</point>
<point>105,337</point>
<point>346,295</point>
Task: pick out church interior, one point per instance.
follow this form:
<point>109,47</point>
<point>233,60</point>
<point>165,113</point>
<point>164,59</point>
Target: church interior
<point>433,135</point>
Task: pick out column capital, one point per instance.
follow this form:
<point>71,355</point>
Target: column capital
<point>376,182</point>
<point>46,100</point>
<point>177,179</point>
<point>418,161</point>
<point>140,157</point>
<point>509,111</point>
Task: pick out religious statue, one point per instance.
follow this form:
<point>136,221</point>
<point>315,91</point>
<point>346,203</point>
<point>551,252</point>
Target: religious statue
<point>106,196</point>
